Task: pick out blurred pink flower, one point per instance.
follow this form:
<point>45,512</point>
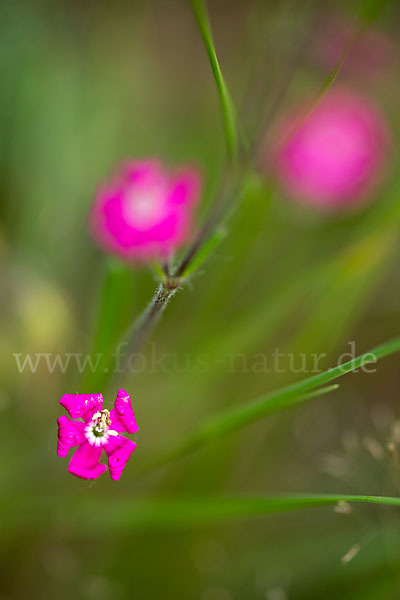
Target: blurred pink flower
<point>145,212</point>
<point>335,156</point>
<point>372,55</point>
<point>100,429</point>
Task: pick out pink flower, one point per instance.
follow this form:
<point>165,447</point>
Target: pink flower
<point>100,429</point>
<point>335,156</point>
<point>146,212</point>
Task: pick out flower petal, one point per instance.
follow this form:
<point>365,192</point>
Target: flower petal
<point>118,450</point>
<point>82,406</point>
<point>70,434</point>
<point>186,187</point>
<point>122,416</point>
<point>85,462</point>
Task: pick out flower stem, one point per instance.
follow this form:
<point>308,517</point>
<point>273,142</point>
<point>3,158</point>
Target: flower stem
<point>227,108</point>
<point>142,329</point>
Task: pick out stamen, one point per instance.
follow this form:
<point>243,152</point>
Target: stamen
<point>97,431</point>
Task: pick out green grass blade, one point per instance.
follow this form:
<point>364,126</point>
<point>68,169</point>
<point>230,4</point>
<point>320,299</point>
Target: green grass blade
<point>93,515</point>
<point>228,112</point>
<point>296,393</point>
<point>229,421</point>
<point>198,511</point>
<point>289,395</point>
<point>207,248</point>
<point>252,411</point>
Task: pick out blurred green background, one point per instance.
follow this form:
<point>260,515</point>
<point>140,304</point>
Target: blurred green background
<point>86,85</point>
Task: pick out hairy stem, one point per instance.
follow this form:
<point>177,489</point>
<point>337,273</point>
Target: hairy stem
<point>142,329</point>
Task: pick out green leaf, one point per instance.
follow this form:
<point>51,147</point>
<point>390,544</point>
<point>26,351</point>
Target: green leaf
<point>158,271</point>
<point>296,393</point>
<point>290,395</point>
<point>206,249</point>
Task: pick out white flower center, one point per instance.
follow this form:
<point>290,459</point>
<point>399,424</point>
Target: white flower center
<point>143,208</point>
<point>98,431</point>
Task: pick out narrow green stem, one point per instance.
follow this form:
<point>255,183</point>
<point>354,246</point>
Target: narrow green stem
<point>228,112</point>
<point>142,329</point>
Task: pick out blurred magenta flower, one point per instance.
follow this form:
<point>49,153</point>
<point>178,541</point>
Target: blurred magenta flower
<point>146,212</point>
<point>100,429</point>
<point>334,157</point>
<point>373,54</point>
